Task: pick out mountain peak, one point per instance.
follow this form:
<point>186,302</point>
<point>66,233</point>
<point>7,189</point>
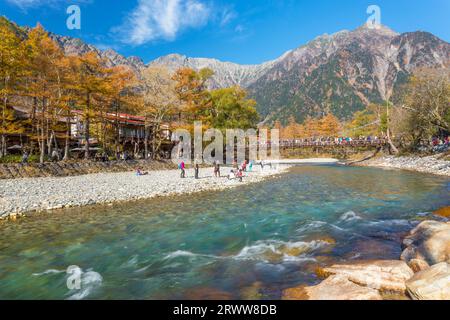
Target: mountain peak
<point>378,28</point>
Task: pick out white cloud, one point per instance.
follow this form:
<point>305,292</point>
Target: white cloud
<point>28,3</point>
<point>227,16</point>
<point>239,28</point>
<point>162,19</point>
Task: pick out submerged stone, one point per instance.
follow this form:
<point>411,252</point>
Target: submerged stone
<point>252,292</point>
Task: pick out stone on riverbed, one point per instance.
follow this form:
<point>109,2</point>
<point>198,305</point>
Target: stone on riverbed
<point>336,287</point>
<point>429,241</point>
<point>383,275</point>
<point>431,284</point>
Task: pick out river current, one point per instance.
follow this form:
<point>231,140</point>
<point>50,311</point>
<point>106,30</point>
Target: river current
<point>245,243</point>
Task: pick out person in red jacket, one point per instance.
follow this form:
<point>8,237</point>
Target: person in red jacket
<point>183,170</point>
<point>239,175</point>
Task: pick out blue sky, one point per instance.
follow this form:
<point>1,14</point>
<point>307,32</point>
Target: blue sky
<point>241,31</point>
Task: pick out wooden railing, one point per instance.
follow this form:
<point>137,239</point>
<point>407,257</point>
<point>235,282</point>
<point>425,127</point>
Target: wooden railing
<point>331,143</point>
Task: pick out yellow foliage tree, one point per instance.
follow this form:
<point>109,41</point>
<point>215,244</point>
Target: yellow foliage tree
<point>11,73</point>
<point>329,126</point>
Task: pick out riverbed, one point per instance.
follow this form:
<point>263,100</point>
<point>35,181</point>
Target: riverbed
<point>249,242</point>
<point>28,195</point>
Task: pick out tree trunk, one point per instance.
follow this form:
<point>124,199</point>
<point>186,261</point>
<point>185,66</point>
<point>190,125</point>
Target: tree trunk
<point>86,128</point>
<point>391,144</point>
<point>86,137</point>
<point>117,129</point>
<point>388,131</point>
<point>42,155</point>
<point>49,143</point>
<point>67,142</point>
<point>3,146</point>
<point>34,130</point>
<point>146,142</point>
<point>3,128</point>
<point>3,149</point>
<point>42,133</point>
<point>155,140</point>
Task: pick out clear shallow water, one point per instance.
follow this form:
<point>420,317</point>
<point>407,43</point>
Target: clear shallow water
<point>250,242</point>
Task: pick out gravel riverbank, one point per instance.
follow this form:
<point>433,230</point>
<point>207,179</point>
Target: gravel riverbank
<point>431,164</point>
<point>21,196</point>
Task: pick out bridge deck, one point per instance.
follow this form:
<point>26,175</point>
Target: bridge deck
<point>353,143</point>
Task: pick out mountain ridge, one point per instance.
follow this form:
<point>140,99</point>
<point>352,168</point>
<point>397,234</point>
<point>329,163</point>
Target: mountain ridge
<point>339,73</point>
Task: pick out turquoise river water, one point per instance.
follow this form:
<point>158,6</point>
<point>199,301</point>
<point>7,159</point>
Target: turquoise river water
<point>245,243</point>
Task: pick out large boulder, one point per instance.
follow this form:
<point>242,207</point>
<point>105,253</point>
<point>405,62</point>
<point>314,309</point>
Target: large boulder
<point>431,284</point>
<point>382,275</point>
<point>429,241</point>
<point>336,287</point>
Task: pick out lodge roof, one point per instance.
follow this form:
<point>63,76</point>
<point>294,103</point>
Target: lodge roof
<point>123,118</point>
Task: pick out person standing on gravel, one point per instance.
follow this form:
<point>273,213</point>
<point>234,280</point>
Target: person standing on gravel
<point>55,156</point>
<point>183,170</point>
<point>216,169</point>
<point>25,157</point>
<point>197,169</point>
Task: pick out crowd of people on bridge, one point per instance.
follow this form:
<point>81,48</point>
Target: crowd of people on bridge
<point>325,141</point>
<point>440,144</point>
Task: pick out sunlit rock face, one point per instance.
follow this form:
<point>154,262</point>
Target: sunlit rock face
<point>335,287</point>
<point>344,72</point>
<point>431,284</point>
<point>429,242</point>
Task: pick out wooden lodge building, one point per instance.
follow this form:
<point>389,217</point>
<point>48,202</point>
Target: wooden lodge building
<point>131,133</point>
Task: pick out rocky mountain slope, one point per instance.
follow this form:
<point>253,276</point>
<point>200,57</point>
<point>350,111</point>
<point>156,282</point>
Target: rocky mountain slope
<point>344,72</point>
<point>340,73</point>
<point>226,73</point>
<point>74,46</point>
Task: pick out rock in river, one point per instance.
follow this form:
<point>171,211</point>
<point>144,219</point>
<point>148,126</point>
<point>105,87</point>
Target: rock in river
<point>383,275</point>
<point>429,241</point>
<point>336,287</point>
<point>443,212</point>
<point>431,284</point>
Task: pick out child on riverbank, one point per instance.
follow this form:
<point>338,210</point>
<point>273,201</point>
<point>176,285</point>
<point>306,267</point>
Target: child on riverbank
<point>139,172</point>
<point>239,175</point>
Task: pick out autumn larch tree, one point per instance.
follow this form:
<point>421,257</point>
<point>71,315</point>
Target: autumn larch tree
<point>160,100</point>
<point>44,55</point>
<point>90,84</point>
<point>11,73</point>
<point>122,97</point>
